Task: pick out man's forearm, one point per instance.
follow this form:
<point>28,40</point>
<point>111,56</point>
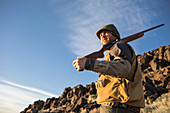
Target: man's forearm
<point>117,67</point>
<point>89,65</point>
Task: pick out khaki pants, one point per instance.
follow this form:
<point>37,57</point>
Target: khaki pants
<point>109,109</point>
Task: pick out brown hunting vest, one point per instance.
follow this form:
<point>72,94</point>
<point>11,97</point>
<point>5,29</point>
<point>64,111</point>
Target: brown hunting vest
<point>127,90</point>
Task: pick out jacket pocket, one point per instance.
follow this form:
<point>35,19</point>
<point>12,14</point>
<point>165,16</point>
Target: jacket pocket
<point>98,84</point>
<point>112,90</point>
<point>102,83</point>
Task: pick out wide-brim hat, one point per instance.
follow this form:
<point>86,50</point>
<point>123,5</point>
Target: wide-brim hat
<point>111,28</point>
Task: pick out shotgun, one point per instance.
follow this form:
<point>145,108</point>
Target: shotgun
<point>100,53</point>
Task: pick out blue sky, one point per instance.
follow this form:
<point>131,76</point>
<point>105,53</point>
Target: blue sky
<point>39,39</point>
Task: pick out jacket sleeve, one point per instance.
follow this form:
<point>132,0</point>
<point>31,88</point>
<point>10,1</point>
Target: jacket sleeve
<point>120,65</point>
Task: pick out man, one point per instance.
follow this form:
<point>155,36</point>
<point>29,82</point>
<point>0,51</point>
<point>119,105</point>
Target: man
<point>119,86</point>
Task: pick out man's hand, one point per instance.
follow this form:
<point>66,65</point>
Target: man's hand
<point>79,63</point>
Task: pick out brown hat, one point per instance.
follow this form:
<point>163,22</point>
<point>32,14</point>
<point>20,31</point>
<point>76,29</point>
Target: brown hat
<point>111,28</point>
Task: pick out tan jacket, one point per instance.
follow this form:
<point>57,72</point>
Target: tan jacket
<point>120,78</point>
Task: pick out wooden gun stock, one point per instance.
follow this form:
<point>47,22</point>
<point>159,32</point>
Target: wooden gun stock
<point>100,53</point>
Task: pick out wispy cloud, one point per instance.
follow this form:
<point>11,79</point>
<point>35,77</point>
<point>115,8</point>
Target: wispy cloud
<point>15,97</point>
<point>88,16</point>
<point>29,88</point>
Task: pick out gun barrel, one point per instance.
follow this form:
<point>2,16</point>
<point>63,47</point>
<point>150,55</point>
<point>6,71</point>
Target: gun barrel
<point>152,28</point>
<point>138,35</point>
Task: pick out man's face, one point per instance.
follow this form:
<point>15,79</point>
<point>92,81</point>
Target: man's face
<point>106,37</point>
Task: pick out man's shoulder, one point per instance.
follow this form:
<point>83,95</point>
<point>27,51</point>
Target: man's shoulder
<point>121,46</point>
<point>123,50</point>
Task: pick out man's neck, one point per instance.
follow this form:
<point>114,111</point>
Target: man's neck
<point>108,46</point>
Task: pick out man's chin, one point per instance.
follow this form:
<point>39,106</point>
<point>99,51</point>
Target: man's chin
<point>106,43</point>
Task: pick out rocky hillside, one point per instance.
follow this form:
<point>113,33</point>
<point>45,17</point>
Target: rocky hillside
<point>155,66</point>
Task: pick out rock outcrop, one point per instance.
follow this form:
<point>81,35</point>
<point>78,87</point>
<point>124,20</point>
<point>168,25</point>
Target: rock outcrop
<point>155,67</point>
<point>155,72</point>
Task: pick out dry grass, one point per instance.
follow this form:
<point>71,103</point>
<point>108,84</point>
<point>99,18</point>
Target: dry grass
<point>160,105</point>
